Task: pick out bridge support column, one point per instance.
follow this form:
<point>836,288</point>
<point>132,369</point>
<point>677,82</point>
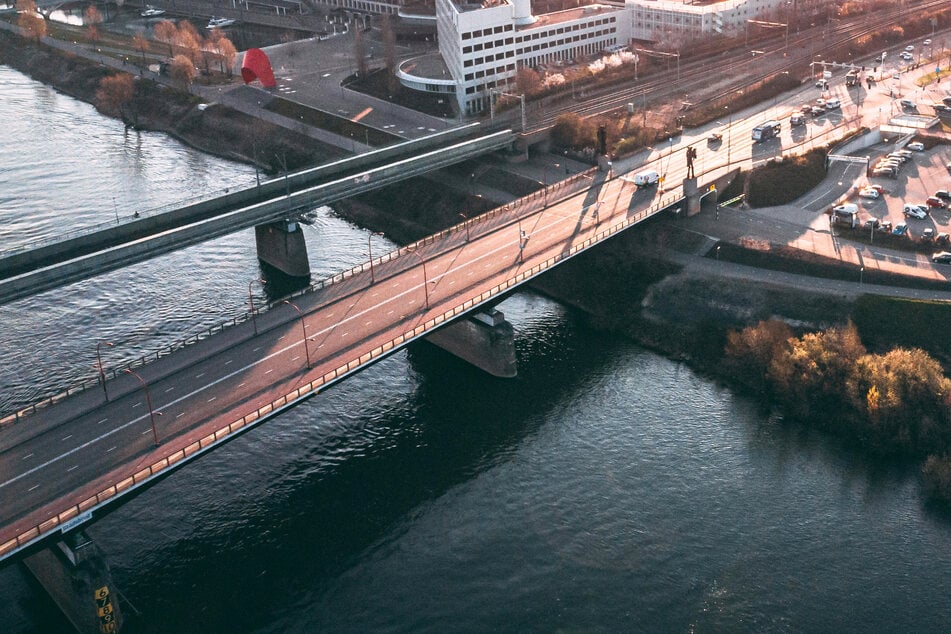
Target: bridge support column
<point>692,196</point>
<point>281,244</point>
<point>75,574</point>
<point>486,340</point>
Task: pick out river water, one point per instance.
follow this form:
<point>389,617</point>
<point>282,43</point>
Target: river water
<point>604,489</point>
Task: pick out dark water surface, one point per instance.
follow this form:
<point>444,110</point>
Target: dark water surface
<point>604,489</point>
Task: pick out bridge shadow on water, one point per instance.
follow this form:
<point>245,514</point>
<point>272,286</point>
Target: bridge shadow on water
<point>372,455</point>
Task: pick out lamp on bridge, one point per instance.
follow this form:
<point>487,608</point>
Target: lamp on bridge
<point>251,300</point>
<point>303,329</point>
<point>425,278</point>
<point>102,373</point>
<point>148,401</point>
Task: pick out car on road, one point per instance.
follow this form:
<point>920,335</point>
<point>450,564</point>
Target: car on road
<point>916,146</point>
<point>905,55</point>
<point>915,211</point>
<point>909,48</point>
<point>868,192</point>
<point>806,108</point>
<point>935,203</point>
<point>901,229</point>
<point>818,111</point>
<point>822,84</point>
<point>943,257</point>
<point>833,104</point>
<point>926,42</point>
<point>797,118</point>
<point>943,194</point>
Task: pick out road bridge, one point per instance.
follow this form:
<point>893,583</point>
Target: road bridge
<point>66,460</point>
<point>86,254</point>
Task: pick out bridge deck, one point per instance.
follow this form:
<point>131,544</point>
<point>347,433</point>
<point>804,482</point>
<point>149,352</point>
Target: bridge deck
<point>70,459</point>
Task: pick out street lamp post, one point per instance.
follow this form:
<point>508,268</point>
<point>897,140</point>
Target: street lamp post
<point>102,373</point>
<point>254,322</point>
<point>303,328</point>
<point>465,221</point>
<point>425,278</point>
<point>148,401</point>
<point>370,253</point>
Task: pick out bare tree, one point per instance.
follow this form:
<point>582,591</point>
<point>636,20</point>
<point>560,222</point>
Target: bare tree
<point>114,97</point>
<point>189,41</point>
<point>166,32</point>
<point>141,44</point>
<point>30,20</point>
<point>182,70</point>
<point>527,81</point>
<point>92,19</point>
<point>227,54</point>
<point>359,52</point>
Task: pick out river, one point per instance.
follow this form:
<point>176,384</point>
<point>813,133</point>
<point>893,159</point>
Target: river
<point>604,489</point>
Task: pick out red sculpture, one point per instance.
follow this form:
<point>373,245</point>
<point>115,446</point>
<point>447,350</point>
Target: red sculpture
<point>256,65</point>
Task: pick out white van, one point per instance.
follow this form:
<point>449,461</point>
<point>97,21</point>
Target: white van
<point>646,178</point>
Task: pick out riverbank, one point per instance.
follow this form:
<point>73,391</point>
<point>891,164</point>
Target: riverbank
<point>216,129</point>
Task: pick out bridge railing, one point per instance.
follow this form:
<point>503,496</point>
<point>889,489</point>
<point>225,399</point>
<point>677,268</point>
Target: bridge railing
<point>512,210</point>
<point>85,508</point>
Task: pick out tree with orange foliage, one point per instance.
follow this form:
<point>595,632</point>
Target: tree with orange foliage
<point>92,19</point>
<point>166,32</point>
<point>182,70</point>
<point>114,97</point>
<point>226,55</point>
<point>141,44</point>
<point>30,20</point>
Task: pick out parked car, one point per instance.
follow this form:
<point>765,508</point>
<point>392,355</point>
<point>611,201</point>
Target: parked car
<point>901,229</point>
<point>943,257</point>
<point>872,223</point>
<point>908,104</point>
<point>885,226</point>
<point>927,235</point>
<point>714,138</point>
<point>935,202</point>
<point>899,157</point>
<point>845,209</point>
<point>890,172</point>
<point>878,188</point>
<point>943,194</point>
<point>869,192</point>
<point>833,104</point>
<point>915,211</point>
<point>942,238</point>
<point>916,146</point>
<point>948,167</point>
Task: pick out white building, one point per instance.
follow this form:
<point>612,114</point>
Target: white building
<point>484,44</point>
<point>654,20</point>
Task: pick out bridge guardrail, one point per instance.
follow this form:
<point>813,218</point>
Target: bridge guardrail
<point>562,189</point>
<point>226,432</point>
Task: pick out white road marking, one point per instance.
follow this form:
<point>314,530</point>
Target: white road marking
<point>72,468</point>
<point>27,456</point>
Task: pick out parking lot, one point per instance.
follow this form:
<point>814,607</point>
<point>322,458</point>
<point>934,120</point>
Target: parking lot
<point>912,186</point>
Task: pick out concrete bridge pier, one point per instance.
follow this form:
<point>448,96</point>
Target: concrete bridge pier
<point>73,571</point>
<point>486,340</point>
<point>692,196</point>
<point>281,244</point>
